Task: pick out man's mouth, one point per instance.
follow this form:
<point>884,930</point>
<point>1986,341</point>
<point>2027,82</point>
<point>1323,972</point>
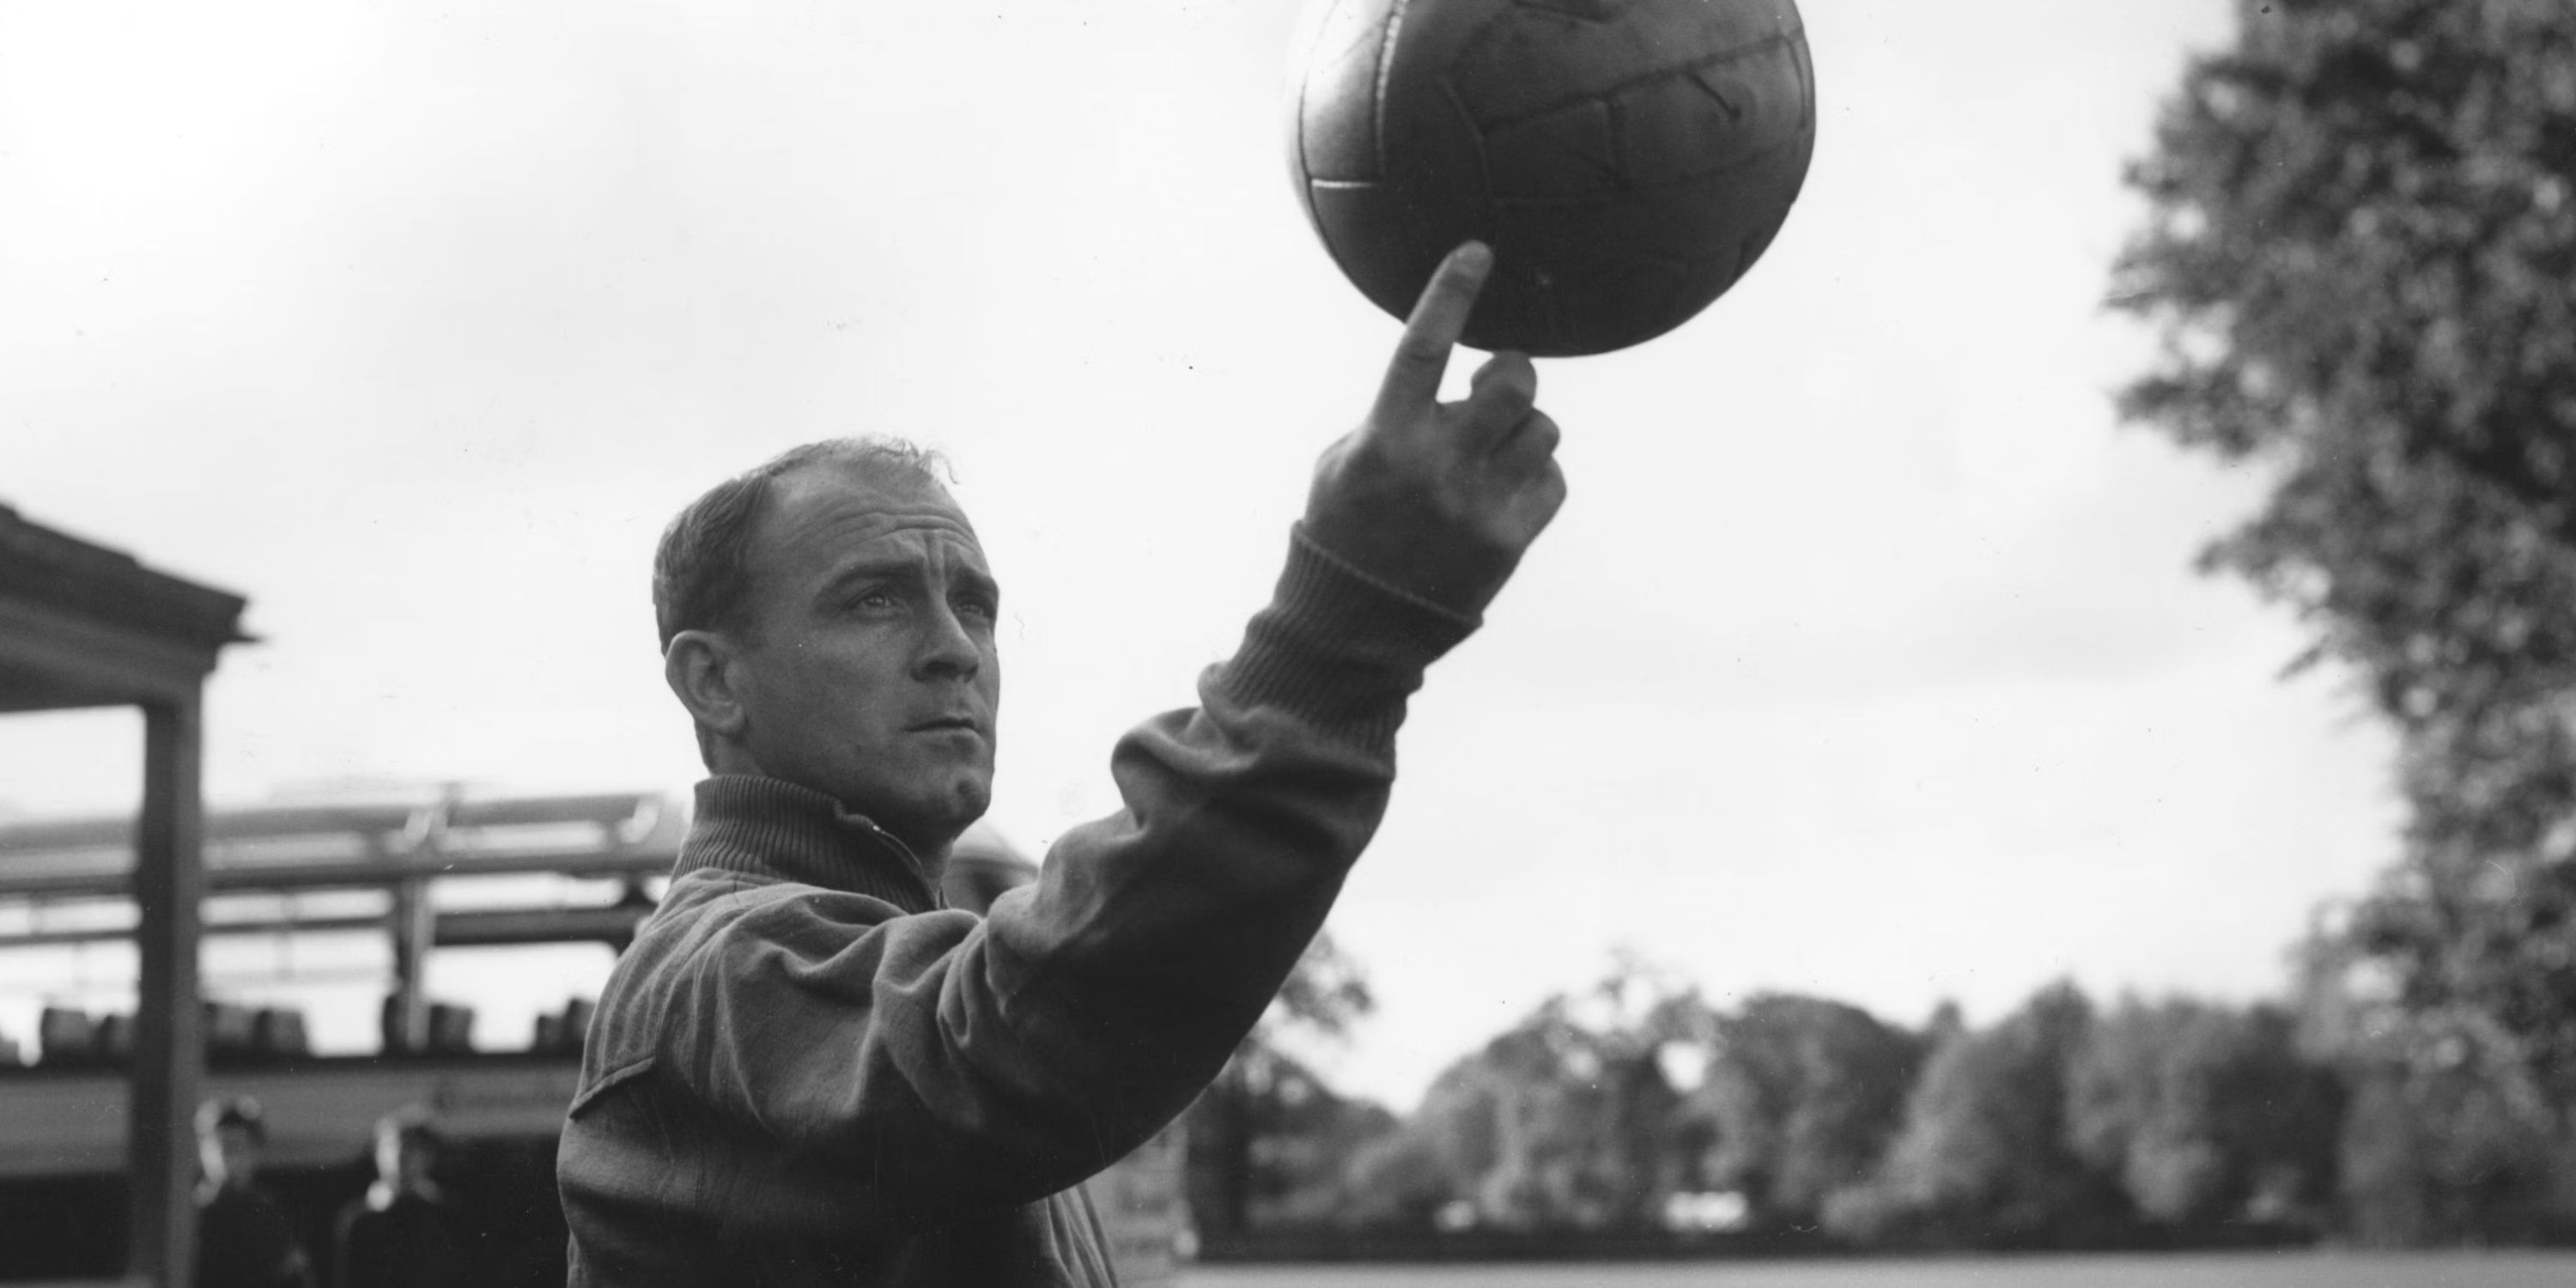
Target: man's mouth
<point>943,723</point>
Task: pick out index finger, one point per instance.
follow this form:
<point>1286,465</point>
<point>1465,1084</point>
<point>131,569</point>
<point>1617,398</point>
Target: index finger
<point>1422,356</point>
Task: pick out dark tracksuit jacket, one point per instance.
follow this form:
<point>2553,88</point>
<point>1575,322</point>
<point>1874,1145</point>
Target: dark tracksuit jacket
<point>806,1071</point>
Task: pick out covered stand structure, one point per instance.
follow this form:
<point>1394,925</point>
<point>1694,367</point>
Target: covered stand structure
<point>85,626</point>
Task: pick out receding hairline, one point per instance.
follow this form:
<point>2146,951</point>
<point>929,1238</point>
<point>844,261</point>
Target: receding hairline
<point>906,501</point>
<point>896,467</point>
<point>710,540</point>
<point>899,484</point>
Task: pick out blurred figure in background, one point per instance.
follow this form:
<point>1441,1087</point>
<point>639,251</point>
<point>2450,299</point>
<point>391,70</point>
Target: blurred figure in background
<point>402,1234</point>
<point>245,1239</point>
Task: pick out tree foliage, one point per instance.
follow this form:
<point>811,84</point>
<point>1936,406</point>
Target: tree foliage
<point>1597,1114</point>
<point>2206,1114</point>
<point>1985,1158</point>
<point>1269,1131</point>
<point>2362,238</point>
<point>1569,1121</point>
<point>1801,1099</point>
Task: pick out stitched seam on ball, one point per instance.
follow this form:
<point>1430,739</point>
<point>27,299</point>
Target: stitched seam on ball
<point>1385,72</point>
<point>1542,201</point>
<point>1737,53</point>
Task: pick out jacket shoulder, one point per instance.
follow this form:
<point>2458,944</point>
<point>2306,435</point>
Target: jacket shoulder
<point>713,934</point>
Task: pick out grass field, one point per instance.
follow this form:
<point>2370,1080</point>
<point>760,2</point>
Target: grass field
<point>2179,1270</point>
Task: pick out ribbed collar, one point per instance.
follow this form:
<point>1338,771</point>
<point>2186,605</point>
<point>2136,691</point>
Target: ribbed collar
<point>769,827</point>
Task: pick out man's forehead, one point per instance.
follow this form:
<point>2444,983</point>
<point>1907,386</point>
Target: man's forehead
<point>828,507</point>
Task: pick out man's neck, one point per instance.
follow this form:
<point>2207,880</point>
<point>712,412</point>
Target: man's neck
<point>756,822</point>
<point>931,857</point>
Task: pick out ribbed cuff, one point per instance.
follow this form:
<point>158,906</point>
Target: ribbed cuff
<point>1338,648</point>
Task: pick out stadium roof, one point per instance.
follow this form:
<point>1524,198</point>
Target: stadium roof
<point>82,625</point>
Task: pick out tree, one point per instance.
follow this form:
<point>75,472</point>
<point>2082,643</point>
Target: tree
<point>1568,1121</point>
<point>1580,1109</point>
<point>2363,227</point>
<point>1802,1097</point>
<point>2209,1116</point>
<point>1269,1127</point>
<point>2447,1135</point>
<point>1984,1158</point>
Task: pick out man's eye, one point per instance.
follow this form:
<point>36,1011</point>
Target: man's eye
<point>983,608</point>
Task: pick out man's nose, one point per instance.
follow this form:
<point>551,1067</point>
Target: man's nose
<point>948,648</point>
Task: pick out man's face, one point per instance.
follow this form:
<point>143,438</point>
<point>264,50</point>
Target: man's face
<point>229,1155</point>
<point>403,1161</point>
<point>868,671</point>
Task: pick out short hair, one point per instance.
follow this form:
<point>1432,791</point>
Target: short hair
<point>410,1129</point>
<point>240,1112</point>
<point>702,570</point>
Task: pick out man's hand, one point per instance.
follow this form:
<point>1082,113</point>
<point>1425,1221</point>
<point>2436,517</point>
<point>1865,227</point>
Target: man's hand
<point>1440,499</point>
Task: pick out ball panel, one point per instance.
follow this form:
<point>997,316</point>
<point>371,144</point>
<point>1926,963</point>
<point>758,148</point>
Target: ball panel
<point>1617,302</point>
<point>1575,304</point>
<point>1493,68</point>
<point>1614,271</point>
<point>1337,136</point>
<point>1432,141</point>
<point>1587,10</point>
<point>1572,152</point>
<point>1712,117</point>
<point>1381,237</point>
<point>1717,273</point>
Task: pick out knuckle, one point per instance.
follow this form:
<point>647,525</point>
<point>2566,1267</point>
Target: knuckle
<point>1420,352</point>
<point>1499,412</point>
<point>1381,456</point>
<point>1334,460</point>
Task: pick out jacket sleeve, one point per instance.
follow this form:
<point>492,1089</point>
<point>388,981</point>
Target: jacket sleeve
<point>965,1062</point>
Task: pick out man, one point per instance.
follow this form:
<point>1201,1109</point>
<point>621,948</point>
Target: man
<point>806,1070</point>
<point>245,1239</point>
<point>403,1233</point>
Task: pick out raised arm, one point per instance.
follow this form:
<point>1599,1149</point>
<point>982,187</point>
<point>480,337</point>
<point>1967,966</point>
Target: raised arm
<point>924,1064</point>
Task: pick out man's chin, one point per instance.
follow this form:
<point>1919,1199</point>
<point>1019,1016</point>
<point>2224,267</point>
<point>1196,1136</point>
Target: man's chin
<point>970,800</point>
<point>938,816</point>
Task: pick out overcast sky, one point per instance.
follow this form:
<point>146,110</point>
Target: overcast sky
<point>1866,658</point>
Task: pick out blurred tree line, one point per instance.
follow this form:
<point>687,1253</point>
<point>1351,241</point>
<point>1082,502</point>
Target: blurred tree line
<point>1638,1109</point>
<point>2360,249</point>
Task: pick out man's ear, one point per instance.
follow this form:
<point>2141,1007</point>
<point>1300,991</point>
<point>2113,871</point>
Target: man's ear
<point>698,665</point>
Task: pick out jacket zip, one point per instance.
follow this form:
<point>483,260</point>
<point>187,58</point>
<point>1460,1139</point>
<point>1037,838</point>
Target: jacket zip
<point>911,862</point>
